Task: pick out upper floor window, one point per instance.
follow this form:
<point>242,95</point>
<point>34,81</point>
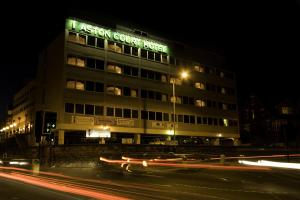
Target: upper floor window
<point>200,85</point>
<point>77,61</point>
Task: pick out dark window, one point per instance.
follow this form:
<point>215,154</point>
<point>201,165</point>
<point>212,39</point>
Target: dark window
<point>180,118</point>
<point>166,116</point>
<point>150,94</point>
<point>191,101</point>
<point>127,113</point>
<point>144,94</point>
<point>127,70</point>
<point>164,58</point>
<point>135,114</point>
<point>158,76</point>
<point>143,53</point>
<point>79,108</point>
<point>172,60</point>
<point>89,109</point>
<point>127,91</point>
<point>158,96</point>
<point>172,117</point>
<point>186,119</point>
<point>209,103</point>
<point>220,105</point>
<point>144,73</point>
<point>204,120</point>
<point>185,100</point>
<point>221,122</point>
<point>100,43</point>
<point>134,71</point>
<point>109,111</point>
<point>91,41</point>
<point>214,104</point>
<point>144,114</point>
<point>89,86</point>
<point>151,115</point>
<point>69,107</point>
<point>90,63</point>
<point>209,121</point>
<point>157,57</point>
<point>99,87</point>
<point>158,116</point>
<point>118,112</point>
<point>135,51</point>
<point>150,55</point>
<point>127,49</point>
<point>192,119</point>
<point>199,121</point>
<point>100,64</point>
<point>99,110</point>
<point>215,121</point>
<point>151,75</point>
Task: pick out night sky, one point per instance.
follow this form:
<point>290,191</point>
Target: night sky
<point>260,41</point>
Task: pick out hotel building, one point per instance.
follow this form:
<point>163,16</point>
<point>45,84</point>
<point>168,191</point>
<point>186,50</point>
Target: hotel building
<point>115,85</point>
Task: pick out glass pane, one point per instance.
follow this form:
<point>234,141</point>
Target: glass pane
<point>72,37</point>
<point>100,43</point>
<point>79,108</point>
<point>90,63</point>
<point>90,86</point>
<point>135,114</point>
<point>109,111</point>
<point>99,87</point>
<point>99,110</point>
<point>100,64</point>
<point>127,113</point>
<point>118,112</point>
<point>89,109</point>
<point>91,41</point>
<point>69,107</point>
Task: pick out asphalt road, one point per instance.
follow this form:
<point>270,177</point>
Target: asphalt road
<point>168,183</point>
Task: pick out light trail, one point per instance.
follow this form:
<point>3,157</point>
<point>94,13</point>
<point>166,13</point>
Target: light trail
<point>271,164</point>
<point>265,156</point>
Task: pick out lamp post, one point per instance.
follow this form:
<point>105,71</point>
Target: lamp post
<point>183,75</point>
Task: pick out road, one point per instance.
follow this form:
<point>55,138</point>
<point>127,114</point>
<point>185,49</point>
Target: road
<point>170,183</point>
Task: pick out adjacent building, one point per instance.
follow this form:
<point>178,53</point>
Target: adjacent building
<point>121,85</point>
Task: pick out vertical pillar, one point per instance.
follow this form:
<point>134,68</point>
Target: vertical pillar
<point>215,141</point>
<point>137,138</point>
<point>61,137</point>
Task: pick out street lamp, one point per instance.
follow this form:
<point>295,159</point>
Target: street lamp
<point>183,75</point>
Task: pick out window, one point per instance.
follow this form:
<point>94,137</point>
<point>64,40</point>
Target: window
<point>144,73</point>
<point>225,122</point>
<point>192,119</point>
<point>82,39</point>
<point>144,94</point>
<point>199,85</point>
<point>127,113</point>
<point>72,37</point>
<point>135,114</point>
<point>199,68</point>
<point>204,120</point>
<point>80,62</point>
<point>114,90</point>
<point>69,107</point>
<point>180,118</point>
<point>100,64</point>
<point>151,94</point>
<point>127,49</point>
<point>127,91</point>
<point>223,90</point>
<point>100,43</point>
<point>166,116</point>
<point>118,112</point>
<point>151,115</point>
<point>89,109</point>
<point>127,70</point>
<point>144,114</point>
<point>158,96</point>
<point>199,120</point>
<point>109,111</point>
<point>221,122</point>
<point>186,119</point>
<point>134,71</point>
<point>191,101</point>
<point>143,53</point>
<point>172,60</point>
<point>71,84</point>
<point>200,103</point>
<point>90,63</point>
<point>111,45</point>
<point>114,68</point>
<point>79,108</point>
<point>157,57</point>
<point>99,87</point>
<point>79,85</point>
<point>209,103</point>
<point>215,121</point>
<point>99,110</point>
<point>164,58</point>
<point>159,116</point>
<point>209,121</point>
<point>164,97</point>
<point>134,51</point>
<point>71,60</point>
<point>91,41</point>
<point>90,86</point>
<point>185,100</point>
<point>134,93</point>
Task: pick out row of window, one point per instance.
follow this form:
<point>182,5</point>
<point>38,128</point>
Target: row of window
<point>146,74</point>
<point>89,109</point>
<point>145,94</point>
<point>134,51</point>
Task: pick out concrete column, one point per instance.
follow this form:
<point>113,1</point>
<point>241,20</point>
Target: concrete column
<point>61,137</point>
<point>215,141</point>
<point>137,138</point>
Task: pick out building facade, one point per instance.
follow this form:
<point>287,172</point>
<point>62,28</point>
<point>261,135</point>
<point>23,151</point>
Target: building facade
<point>116,85</point>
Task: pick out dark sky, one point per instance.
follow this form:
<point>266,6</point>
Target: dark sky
<point>260,40</point>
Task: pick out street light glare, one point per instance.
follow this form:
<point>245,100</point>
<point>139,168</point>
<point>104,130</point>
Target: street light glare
<point>184,74</point>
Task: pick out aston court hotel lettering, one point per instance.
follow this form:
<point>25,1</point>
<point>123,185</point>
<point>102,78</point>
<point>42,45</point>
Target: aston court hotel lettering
<point>115,36</point>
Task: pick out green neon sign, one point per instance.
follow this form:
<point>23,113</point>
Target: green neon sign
<point>115,36</point>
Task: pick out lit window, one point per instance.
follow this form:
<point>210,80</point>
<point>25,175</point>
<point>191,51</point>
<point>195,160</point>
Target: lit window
<point>82,39</point>
<point>163,78</point>
<point>200,103</point>
<point>118,48</point>
<point>164,58</point>
<point>72,37</point>
<point>164,97</point>
<point>114,90</point>
<point>134,93</point>
<point>199,68</point>
<point>71,84</point>
<point>80,62</point>
<point>200,86</point>
<point>79,85</point>
<point>114,68</point>
<point>179,100</point>
<point>223,90</point>
<point>286,110</point>
<point>71,60</point>
<point>111,46</point>
<point>225,106</point>
<point>225,122</point>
